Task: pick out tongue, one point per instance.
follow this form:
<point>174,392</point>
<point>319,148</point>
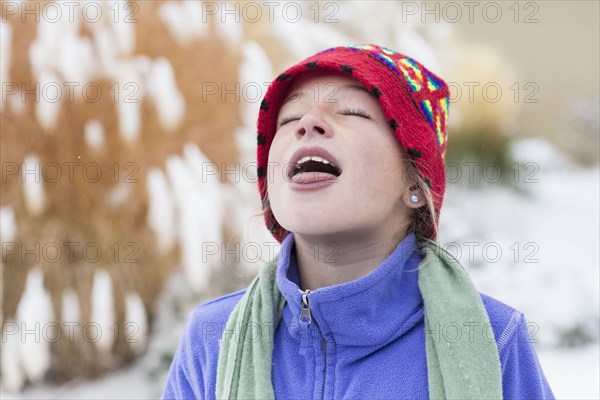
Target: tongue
<point>311,177</point>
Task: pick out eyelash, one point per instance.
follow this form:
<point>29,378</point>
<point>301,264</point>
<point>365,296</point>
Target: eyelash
<point>291,118</point>
<point>356,112</point>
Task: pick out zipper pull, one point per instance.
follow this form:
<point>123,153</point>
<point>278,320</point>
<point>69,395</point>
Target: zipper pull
<point>305,320</point>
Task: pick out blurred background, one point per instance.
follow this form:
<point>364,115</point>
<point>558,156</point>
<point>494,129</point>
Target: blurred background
<point>129,184</point>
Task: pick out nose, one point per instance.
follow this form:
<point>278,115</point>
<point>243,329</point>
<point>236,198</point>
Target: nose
<point>313,122</point>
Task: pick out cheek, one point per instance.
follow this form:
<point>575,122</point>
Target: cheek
<point>378,165</point>
<point>276,149</point>
<point>276,164</point>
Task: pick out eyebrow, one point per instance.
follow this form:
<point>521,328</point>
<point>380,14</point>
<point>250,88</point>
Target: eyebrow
<point>297,95</point>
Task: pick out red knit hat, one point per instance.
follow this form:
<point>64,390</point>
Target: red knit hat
<point>413,99</point>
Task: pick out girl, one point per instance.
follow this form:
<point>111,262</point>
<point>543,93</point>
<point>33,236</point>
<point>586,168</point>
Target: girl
<point>361,301</point>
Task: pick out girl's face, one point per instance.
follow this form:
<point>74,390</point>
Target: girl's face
<point>363,190</point>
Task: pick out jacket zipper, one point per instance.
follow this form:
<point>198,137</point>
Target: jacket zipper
<point>305,321</point>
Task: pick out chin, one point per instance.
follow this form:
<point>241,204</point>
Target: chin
<point>317,227</point>
<point>309,225</point>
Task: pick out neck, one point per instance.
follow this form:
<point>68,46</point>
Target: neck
<point>327,261</point>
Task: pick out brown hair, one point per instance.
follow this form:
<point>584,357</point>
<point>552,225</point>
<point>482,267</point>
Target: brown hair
<point>424,218</point>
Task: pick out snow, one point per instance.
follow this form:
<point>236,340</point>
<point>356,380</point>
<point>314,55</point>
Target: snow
<point>136,322</point>
<point>103,317</point>
<point>246,143</point>
<point>161,209</point>
<point>255,71</point>
<point>240,195</point>
<point>162,89</point>
<point>573,373</point>
<point>33,187</point>
<point>184,20</point>
<point>548,266</point>
<point>8,224</point>
<point>15,100</point>
<point>129,95</point>
<point>123,24</point>
<point>75,57</point>
<point>105,50</point>
<point>13,377</point>
<point>44,47</point>
<point>121,192</point>
<point>129,383</point>
<point>196,221</point>
<point>70,306</point>
<point>539,151</point>
<point>94,134</point>
<point>210,208</point>
<point>5,45</point>
<point>59,55</point>
<point>34,313</point>
<point>48,99</point>
<point>227,28</point>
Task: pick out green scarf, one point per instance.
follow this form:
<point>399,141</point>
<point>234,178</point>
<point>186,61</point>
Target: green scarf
<point>468,368</point>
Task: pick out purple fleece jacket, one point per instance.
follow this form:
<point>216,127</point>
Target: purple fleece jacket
<point>366,339</point>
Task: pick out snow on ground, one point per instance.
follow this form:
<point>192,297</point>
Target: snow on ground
<point>129,383</point>
<point>535,248</point>
<point>573,373</point>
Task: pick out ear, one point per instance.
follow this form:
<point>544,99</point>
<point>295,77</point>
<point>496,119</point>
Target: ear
<point>407,195</point>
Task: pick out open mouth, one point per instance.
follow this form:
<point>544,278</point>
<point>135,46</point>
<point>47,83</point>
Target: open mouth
<point>314,164</point>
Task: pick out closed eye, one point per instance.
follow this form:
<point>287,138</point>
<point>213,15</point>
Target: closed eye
<point>353,111</point>
<point>289,118</point>
<point>356,112</point>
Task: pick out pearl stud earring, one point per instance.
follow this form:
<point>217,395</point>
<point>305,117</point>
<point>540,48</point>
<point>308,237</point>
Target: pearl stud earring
<point>414,198</point>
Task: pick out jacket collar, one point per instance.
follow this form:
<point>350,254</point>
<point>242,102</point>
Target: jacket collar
<point>368,311</point>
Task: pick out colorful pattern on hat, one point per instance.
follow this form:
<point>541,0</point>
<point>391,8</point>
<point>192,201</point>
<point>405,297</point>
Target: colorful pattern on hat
<point>414,100</point>
<point>418,78</point>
